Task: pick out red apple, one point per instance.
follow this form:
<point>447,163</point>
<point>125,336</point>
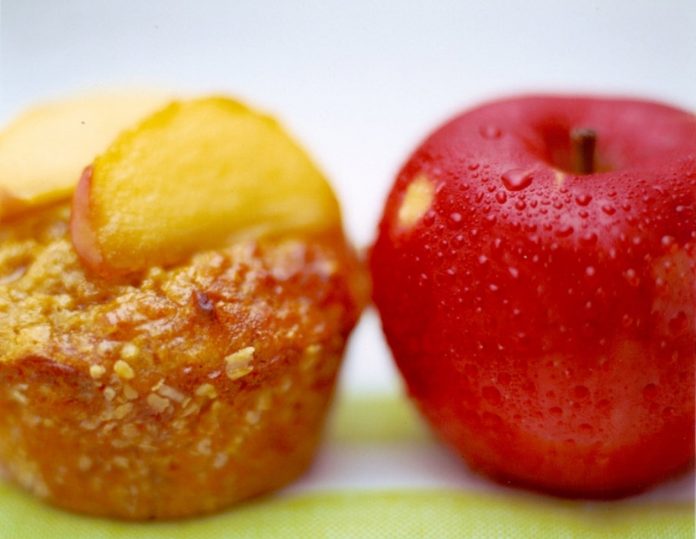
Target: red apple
<point>539,294</point>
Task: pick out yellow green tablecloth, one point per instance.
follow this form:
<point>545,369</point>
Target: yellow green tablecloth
<point>311,510</point>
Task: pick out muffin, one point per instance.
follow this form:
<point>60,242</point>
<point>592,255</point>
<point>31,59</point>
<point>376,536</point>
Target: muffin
<point>172,389</point>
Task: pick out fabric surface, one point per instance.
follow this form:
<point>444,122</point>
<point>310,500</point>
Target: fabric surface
<point>320,506</point>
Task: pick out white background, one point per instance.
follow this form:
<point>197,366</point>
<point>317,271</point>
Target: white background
<point>360,83</point>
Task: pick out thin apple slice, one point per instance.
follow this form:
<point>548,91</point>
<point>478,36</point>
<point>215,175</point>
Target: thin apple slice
<point>195,175</point>
<point>44,150</point>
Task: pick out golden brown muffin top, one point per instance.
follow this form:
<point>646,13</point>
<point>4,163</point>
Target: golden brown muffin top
<point>232,306</point>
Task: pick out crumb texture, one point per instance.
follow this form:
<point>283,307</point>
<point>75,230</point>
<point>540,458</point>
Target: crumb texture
<point>177,392</point>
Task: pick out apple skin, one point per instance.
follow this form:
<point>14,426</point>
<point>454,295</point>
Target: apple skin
<point>82,232</point>
<point>545,322</point>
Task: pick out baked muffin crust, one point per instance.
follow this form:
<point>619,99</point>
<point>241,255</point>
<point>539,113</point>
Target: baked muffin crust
<point>175,392</point>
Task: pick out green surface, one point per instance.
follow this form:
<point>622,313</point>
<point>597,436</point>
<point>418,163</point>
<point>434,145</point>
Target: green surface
<point>372,419</point>
<point>408,513</point>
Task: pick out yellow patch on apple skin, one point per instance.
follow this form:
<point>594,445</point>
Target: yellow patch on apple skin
<point>560,177</point>
<point>417,200</point>
<point>674,276</point>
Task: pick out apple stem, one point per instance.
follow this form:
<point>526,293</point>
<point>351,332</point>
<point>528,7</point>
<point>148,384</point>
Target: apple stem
<point>583,143</point>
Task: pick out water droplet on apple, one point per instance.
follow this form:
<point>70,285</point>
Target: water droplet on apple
<point>473,166</point>
<point>516,179</point>
<point>501,197</point>
<point>458,240</point>
<point>632,277</point>
<point>520,205</point>
<point>490,132</point>
<point>530,227</point>
<point>608,209</point>
<point>455,219</point>
<point>558,204</point>
<point>603,404</point>
<point>650,392</point>
<point>589,238</point>
<point>479,196</point>
<point>583,200</point>
<point>586,428</point>
<point>564,231</point>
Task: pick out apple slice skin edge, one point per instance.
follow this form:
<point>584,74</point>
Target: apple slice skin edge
<point>82,234</point>
<point>196,175</point>
<point>545,321</point>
